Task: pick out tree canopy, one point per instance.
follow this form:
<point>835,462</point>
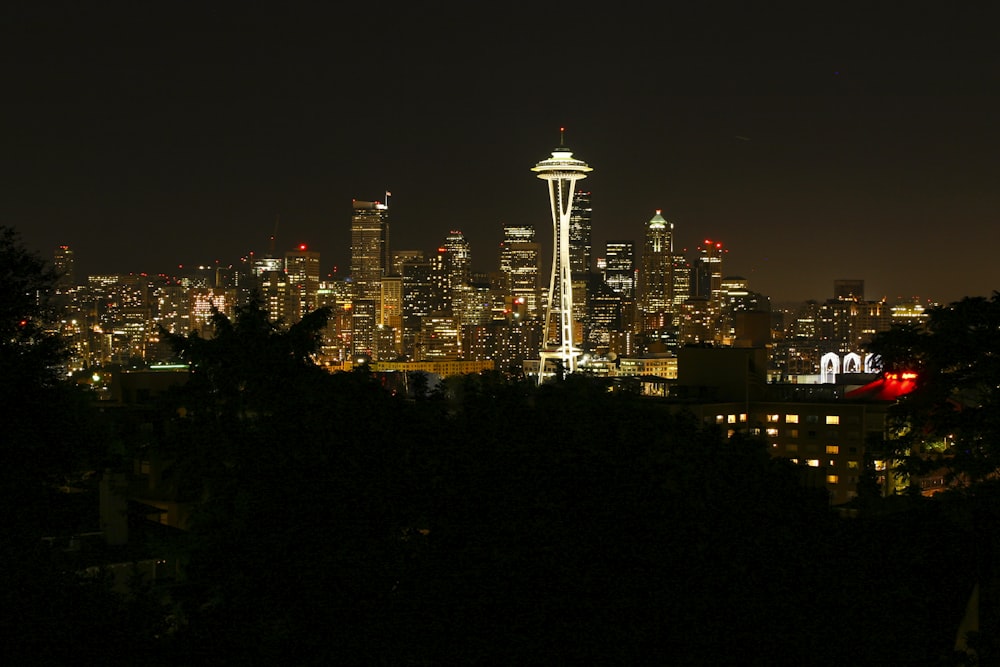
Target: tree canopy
<point>954,410</point>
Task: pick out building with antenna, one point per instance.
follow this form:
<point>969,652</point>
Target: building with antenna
<point>558,351</point>
<point>369,248</point>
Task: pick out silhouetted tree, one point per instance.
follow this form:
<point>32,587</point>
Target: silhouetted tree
<point>51,615</point>
<point>956,400</point>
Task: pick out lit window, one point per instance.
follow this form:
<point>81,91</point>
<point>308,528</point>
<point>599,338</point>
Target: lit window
<point>719,419</point>
<point>791,419</point>
<point>743,418</point>
<point>852,465</point>
<point>774,444</point>
<point>832,449</point>
<point>731,419</point>
<point>832,419</point>
<point>813,463</point>
<point>774,418</point>
<point>832,479</point>
<point>730,433</point>
<point>879,465</point>
<point>794,460</point>
<point>772,431</point>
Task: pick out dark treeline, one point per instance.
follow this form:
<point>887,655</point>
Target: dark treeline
<point>484,522</point>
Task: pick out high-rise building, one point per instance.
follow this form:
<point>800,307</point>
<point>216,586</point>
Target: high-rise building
<point>708,274</point>
<point>65,269</point>
<point>580,231</point>
<point>656,277</point>
<point>391,311</point>
<point>521,266</point>
<point>682,282</point>
<point>369,248</point>
<point>561,171</point>
<point>458,254</point>
<point>364,315</point>
<point>419,299</point>
<point>302,270</point>
<point>619,267</point>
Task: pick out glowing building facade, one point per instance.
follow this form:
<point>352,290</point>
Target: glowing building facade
<point>369,248</point>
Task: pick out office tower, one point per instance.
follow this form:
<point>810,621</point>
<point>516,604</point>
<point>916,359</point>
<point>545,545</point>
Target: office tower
<point>458,254</point>
<point>391,310</point>
<point>737,300</point>
<point>302,270</point>
<point>279,300</point>
<point>708,274</point>
<point>682,282</point>
<point>605,315</point>
<point>561,171</point>
<point>580,231</point>
<point>364,314</point>
<point>369,248</point>
<point>419,299</point>
<point>521,266</point>
<point>656,278</point>
<point>619,267</point>
<point>65,270</point>
<point>204,302</point>
<point>438,339</point>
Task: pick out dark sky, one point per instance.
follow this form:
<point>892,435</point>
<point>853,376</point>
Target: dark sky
<point>819,145</point>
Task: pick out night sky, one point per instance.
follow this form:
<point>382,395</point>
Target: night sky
<point>815,147</point>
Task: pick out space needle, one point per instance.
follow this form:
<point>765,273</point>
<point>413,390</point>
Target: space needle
<point>562,171</point>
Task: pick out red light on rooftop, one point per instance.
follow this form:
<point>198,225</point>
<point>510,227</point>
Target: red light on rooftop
<point>302,246</point>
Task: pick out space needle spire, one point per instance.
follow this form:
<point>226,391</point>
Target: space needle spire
<point>562,171</point>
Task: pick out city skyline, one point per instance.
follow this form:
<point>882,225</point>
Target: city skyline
<point>852,149</point>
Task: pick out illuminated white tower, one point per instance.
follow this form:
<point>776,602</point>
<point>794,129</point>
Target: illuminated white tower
<point>562,172</point>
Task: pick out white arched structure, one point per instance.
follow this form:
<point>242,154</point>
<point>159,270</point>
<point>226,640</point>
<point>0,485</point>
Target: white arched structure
<point>851,363</point>
<point>829,367</point>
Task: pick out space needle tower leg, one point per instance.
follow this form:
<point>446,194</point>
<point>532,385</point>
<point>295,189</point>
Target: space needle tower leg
<point>562,171</point>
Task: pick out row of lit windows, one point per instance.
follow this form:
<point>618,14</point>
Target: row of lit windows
<point>810,419</point>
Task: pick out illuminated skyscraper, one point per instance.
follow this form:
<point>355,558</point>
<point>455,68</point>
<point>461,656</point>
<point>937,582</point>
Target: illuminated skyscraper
<point>521,266</point>
<point>302,270</point>
<point>708,274</point>
<point>65,276</point>
<point>369,248</point>
<point>458,257</point>
<point>619,267</point>
<point>562,172</point>
<point>657,267</point>
<point>65,271</point>
<point>580,231</point>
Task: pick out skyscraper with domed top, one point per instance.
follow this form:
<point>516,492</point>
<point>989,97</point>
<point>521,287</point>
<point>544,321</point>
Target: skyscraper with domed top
<point>656,279</point>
